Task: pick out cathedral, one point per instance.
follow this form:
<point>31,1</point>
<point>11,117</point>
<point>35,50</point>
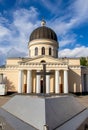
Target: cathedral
<point>43,71</point>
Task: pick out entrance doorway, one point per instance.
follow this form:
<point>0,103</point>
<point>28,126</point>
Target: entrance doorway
<point>25,88</point>
<point>41,86</point>
<point>61,88</point>
<point>85,83</point>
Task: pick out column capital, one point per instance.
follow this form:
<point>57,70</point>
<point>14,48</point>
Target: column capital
<point>38,70</point>
<point>20,69</point>
<point>65,69</point>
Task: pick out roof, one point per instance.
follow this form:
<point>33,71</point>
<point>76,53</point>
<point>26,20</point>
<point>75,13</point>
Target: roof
<point>10,122</point>
<point>43,32</point>
<point>40,111</point>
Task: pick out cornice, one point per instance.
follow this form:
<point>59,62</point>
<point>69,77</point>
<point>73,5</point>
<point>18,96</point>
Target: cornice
<point>74,67</point>
<point>43,41</point>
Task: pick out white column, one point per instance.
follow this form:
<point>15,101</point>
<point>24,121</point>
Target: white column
<point>38,83</point>
<point>47,83</point>
<point>20,81</point>
<point>29,81</point>
<point>65,81</point>
<point>57,89</point>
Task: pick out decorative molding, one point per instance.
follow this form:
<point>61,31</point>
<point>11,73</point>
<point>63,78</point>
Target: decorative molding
<point>74,67</point>
<point>35,65</point>
<point>42,41</point>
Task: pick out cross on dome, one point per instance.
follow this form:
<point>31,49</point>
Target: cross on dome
<point>43,22</point>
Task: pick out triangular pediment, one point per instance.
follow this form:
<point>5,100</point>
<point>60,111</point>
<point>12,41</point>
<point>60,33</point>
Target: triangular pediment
<point>47,59</point>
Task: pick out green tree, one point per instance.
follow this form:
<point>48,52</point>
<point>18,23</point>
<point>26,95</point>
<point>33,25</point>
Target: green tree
<point>83,61</point>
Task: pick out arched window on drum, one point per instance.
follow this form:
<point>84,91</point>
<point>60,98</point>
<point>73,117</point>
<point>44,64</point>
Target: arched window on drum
<point>43,50</point>
<point>36,51</point>
<point>50,53</point>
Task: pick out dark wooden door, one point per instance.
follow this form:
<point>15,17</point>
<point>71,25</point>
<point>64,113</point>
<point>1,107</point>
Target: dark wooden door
<point>41,86</point>
<point>25,88</point>
<point>61,88</point>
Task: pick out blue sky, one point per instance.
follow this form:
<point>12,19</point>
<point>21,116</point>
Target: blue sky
<point>68,18</point>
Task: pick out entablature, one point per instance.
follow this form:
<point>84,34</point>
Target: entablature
<point>39,65</point>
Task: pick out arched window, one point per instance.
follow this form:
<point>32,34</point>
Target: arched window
<point>49,51</point>
<point>36,51</point>
<point>43,61</point>
<point>43,50</point>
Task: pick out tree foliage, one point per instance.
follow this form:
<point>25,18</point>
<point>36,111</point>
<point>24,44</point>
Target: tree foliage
<point>83,61</point>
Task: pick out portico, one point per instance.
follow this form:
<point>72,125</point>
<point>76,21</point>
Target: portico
<point>59,86</point>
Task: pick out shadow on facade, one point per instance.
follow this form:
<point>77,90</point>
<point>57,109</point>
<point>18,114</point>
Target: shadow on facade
<point>75,82</point>
<point>9,84</point>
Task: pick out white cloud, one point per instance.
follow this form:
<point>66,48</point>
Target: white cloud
<point>2,57</point>
<point>3,32</point>
<point>66,42</point>
<point>52,5</point>
<point>16,34</point>
<point>13,52</point>
<point>76,52</point>
<point>78,11</point>
<point>24,22</point>
<point>3,19</point>
<point>21,1</point>
<point>68,39</point>
<point>76,14</point>
<point>81,10</point>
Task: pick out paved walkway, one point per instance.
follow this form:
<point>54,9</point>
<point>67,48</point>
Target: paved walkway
<point>83,100</point>
<point>4,99</point>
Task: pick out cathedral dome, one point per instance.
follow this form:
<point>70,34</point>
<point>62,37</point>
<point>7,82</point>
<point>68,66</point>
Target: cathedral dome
<point>43,32</point>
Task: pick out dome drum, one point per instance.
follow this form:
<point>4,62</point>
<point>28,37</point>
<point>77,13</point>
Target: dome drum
<point>38,50</point>
<point>43,41</point>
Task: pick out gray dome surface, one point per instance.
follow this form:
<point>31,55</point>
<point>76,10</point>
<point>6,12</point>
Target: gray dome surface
<point>43,33</point>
